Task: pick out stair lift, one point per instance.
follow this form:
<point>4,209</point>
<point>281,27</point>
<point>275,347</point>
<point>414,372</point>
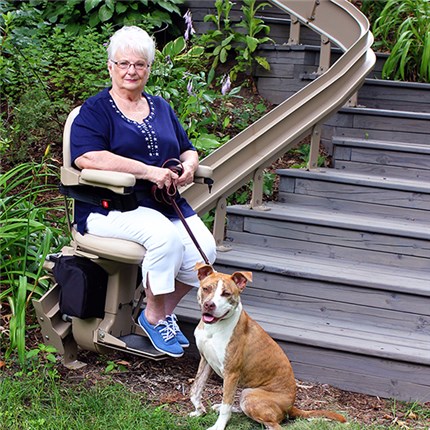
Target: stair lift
<point>121,259</point>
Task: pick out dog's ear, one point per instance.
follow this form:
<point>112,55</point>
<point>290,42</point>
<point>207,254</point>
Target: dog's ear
<point>241,278</point>
<point>203,270</point>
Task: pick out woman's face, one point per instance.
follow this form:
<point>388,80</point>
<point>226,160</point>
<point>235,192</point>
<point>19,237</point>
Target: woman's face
<point>128,71</point>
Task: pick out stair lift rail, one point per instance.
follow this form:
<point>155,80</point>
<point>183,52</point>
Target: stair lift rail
<point>246,155</point>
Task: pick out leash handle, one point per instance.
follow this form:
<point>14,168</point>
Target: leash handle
<point>167,196</point>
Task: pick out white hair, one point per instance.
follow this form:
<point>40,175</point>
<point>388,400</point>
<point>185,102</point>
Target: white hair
<point>133,38</point>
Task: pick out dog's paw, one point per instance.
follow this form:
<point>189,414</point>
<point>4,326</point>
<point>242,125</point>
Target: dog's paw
<point>234,409</point>
<point>198,412</point>
<point>216,407</point>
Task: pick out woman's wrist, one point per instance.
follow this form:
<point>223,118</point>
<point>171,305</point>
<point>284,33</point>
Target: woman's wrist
<point>190,165</point>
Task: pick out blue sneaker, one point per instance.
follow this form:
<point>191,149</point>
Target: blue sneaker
<point>172,321</point>
<point>161,336</point>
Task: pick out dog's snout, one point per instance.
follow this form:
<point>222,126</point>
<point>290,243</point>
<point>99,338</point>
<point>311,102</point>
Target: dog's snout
<point>209,305</point>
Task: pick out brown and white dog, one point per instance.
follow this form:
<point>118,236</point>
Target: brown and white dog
<point>243,354</point>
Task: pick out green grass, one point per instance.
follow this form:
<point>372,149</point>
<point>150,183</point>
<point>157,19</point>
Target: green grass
<point>30,403</point>
<point>38,401</point>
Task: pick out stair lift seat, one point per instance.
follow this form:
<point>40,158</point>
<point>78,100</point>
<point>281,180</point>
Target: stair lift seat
<point>120,258</point>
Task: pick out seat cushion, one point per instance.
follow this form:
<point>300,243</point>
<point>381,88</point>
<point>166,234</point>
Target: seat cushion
<point>120,250</point>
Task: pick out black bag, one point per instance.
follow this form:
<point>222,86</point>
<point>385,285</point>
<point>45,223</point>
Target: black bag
<point>83,286</point>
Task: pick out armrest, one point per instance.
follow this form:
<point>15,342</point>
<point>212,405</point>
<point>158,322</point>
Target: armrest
<point>203,175</point>
<point>106,178</point>
<point>118,182</point>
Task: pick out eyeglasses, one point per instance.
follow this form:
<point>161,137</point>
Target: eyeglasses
<point>125,65</point>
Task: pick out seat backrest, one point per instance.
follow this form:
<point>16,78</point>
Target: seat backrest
<point>67,161</point>
<point>69,175</point>
<point>115,181</point>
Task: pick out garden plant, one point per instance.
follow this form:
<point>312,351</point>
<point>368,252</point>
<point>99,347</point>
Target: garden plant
<point>402,28</point>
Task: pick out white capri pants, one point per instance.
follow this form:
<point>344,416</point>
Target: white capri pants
<point>170,252</point>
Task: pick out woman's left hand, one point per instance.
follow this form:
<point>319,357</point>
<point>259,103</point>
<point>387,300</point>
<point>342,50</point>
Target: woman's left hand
<point>190,162</point>
<point>187,176</point>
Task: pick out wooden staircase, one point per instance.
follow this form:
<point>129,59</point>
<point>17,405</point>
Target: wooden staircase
<point>341,262</point>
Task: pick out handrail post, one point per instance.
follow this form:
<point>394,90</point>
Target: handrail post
<point>257,190</point>
<point>325,54</point>
<point>352,101</point>
<point>219,223</point>
<point>294,38</point>
<point>315,146</point>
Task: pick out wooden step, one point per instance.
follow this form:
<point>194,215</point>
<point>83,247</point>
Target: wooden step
<point>396,193</point>
<point>368,222</point>
<point>377,124</point>
<point>385,159</point>
<point>306,230</point>
<point>285,261</point>
<point>395,95</point>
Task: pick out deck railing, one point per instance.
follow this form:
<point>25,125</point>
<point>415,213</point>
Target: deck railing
<point>245,156</point>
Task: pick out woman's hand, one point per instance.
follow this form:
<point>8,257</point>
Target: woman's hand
<point>190,162</point>
<point>187,176</point>
<point>161,176</point>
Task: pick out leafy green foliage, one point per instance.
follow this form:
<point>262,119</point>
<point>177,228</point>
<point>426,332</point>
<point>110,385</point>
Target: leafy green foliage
<point>253,27</point>
<point>403,28</point>
<point>219,40</point>
<point>45,73</point>
<point>42,361</point>
<point>32,220</point>
<point>115,366</point>
<point>303,151</point>
<point>226,40</point>
<point>75,16</point>
<point>21,50</point>
<point>31,226</point>
<point>36,120</point>
<point>17,304</point>
<point>371,8</point>
<point>76,65</point>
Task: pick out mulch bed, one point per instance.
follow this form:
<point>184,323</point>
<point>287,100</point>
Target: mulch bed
<point>168,382</point>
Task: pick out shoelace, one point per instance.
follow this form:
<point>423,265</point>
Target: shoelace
<point>166,332</point>
<point>173,324</point>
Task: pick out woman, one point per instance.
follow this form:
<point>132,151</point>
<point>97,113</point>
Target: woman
<point>124,129</point>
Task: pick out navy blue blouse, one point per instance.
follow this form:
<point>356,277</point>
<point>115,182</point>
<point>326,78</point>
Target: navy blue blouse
<point>101,126</point>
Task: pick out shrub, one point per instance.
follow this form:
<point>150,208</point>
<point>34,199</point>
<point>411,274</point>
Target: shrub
<point>32,225</point>
<point>75,16</point>
<point>240,40</point>
<point>403,28</point>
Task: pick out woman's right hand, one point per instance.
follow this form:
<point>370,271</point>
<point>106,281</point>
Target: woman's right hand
<point>161,176</point>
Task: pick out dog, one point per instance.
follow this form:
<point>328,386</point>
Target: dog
<point>233,345</point>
